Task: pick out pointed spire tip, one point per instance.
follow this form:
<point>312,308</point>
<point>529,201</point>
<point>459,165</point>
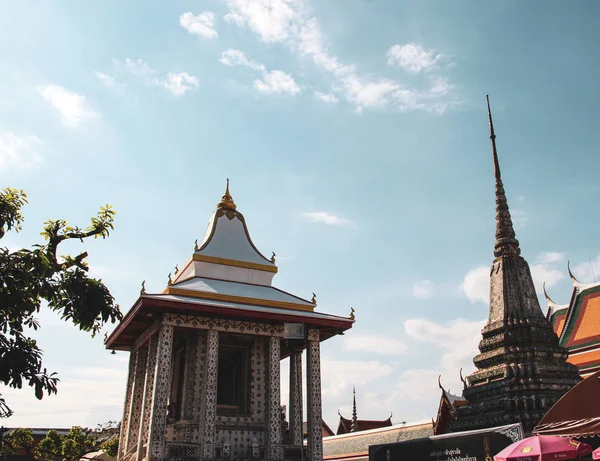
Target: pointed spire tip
<point>227,199</point>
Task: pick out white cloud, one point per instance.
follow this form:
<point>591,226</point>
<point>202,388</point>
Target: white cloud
<point>19,152</point>
<point>551,257</point>
<point>413,57</point>
<point>275,81</point>
<point>111,82</point>
<point>339,376</point>
<point>233,57</point>
<point>329,98</point>
<point>543,273</point>
<point>418,384</point>
<point>203,24</point>
<point>423,289</point>
<point>520,217</point>
<point>326,218</point>
<point>587,271</point>
<point>311,43</point>
<point>288,22</point>
<point>476,284</point>
<point>375,343</point>
<point>458,340</point>
<point>137,67</point>
<point>72,405</point>
<point>369,94</point>
<point>74,108</point>
<point>271,20</point>
<point>179,83</point>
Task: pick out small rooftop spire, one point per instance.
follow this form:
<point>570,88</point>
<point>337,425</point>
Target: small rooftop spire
<point>227,199</point>
<point>506,244</point>
<point>354,426</point>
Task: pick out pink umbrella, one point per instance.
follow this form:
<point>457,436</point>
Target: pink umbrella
<point>544,448</point>
<point>596,453</point>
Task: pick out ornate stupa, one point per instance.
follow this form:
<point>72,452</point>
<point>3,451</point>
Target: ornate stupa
<point>521,368</point>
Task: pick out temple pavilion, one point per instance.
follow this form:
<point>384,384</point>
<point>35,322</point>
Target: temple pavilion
<point>522,370</point>
<point>204,367</point>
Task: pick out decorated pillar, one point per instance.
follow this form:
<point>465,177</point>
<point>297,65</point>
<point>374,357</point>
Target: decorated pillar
<point>210,394</point>
<point>313,397</point>
<point>274,410</point>
<point>160,394</point>
<point>137,399</point>
<point>147,400</point>
<point>127,406</point>
<point>199,378</point>
<point>295,403</point>
<point>187,399</point>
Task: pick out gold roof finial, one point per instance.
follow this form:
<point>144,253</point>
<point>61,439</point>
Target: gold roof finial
<point>170,282</point>
<point>143,290</point>
<point>227,199</point>
<point>176,269</point>
<point>314,299</point>
<point>196,247</point>
<point>273,257</point>
<point>352,316</point>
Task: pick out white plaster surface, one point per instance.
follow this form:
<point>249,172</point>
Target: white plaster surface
<point>230,241</point>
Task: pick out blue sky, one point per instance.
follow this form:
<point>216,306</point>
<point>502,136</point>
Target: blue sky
<point>355,136</point>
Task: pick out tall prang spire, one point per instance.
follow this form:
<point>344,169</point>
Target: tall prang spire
<point>519,353</point>
<point>354,426</point>
<point>506,244</point>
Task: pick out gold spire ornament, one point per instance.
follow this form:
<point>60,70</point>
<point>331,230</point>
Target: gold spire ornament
<point>176,269</point>
<point>143,290</point>
<point>314,299</point>
<point>273,257</point>
<point>196,247</point>
<point>170,282</point>
<point>227,199</point>
<point>352,317</point>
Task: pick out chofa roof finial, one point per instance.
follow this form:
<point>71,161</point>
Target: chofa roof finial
<point>548,298</point>
<point>227,199</point>
<point>571,273</point>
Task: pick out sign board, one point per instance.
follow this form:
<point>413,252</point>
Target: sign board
<point>478,445</point>
<point>294,330</point>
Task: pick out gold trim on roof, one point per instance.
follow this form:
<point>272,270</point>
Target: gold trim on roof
<point>233,262</point>
<point>236,299</point>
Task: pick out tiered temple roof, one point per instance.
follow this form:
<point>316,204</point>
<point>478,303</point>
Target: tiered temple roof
<point>346,426</point>
<point>521,368</point>
<point>577,325</point>
<point>446,410</point>
<point>226,276</point>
